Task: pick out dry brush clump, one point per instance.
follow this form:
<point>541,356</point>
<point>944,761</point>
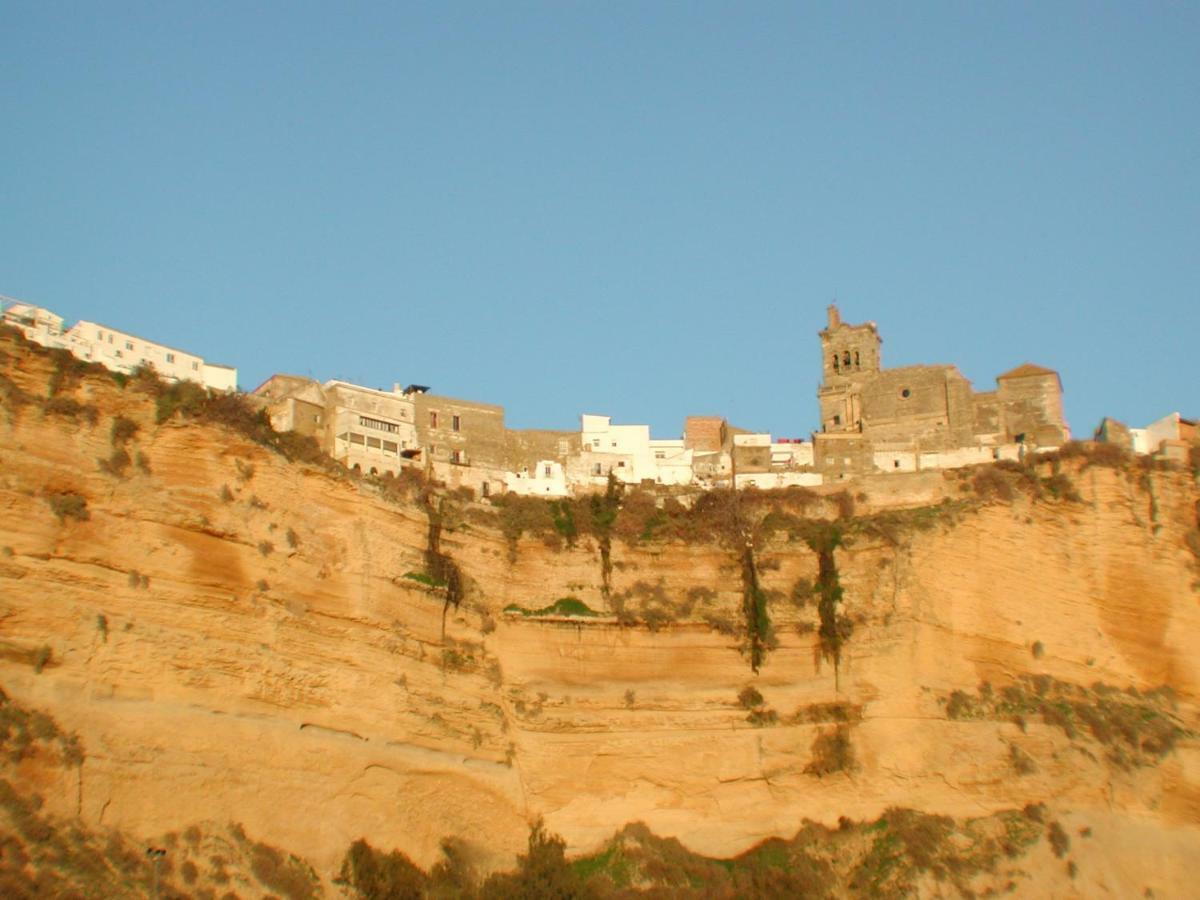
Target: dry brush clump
<point>1137,728</point>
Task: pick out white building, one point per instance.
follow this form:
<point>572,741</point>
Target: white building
<point>628,452</point>
<point>548,479</point>
<point>623,450</point>
<point>672,461</point>
<point>119,351</point>
<point>1171,427</point>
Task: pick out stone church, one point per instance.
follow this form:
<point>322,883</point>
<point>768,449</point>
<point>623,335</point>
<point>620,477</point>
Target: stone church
<point>915,417</point>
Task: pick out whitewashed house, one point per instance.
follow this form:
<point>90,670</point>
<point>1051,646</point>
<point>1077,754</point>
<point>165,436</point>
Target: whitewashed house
<point>119,351</point>
<point>547,479</point>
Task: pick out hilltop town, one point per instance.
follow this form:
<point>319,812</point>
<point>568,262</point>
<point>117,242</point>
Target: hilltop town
<point>874,421</point>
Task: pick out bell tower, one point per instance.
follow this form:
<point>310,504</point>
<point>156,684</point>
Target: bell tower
<point>850,356</point>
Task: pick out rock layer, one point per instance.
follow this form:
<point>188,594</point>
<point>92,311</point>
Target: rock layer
<point>234,638</point>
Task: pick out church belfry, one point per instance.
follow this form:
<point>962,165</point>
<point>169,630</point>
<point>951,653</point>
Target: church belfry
<point>850,357</point>
<point>848,351</point>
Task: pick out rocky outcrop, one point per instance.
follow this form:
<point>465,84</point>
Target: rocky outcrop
<point>239,637</point>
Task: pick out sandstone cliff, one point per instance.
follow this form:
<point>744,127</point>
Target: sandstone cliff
<point>236,637</point>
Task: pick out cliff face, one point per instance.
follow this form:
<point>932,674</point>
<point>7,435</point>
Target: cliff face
<point>233,637</point>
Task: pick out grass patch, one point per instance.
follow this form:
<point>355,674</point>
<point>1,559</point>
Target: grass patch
<point>423,578</point>
<point>570,607</point>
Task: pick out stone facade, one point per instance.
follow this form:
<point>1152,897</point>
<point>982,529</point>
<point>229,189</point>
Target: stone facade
<point>871,415</point>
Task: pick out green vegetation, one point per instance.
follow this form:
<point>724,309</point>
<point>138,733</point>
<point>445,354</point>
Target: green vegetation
<point>564,606</point>
<point>1137,728</point>
<point>440,567</point>
<point>425,579</point>
<point>759,636</point>
<point>835,628</point>
<point>68,505</point>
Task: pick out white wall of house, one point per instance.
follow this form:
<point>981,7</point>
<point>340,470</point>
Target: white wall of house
<point>1165,429</point>
<point>1140,440</point>
<point>37,324</point>
<point>970,456</point>
<point>220,378</point>
<point>792,454</point>
<point>548,479</point>
<point>768,480</point>
<point>623,449</point>
<point>124,352</point>
<point>117,350</point>
<point>672,462</point>
<point>895,460</point>
<point>752,440</point>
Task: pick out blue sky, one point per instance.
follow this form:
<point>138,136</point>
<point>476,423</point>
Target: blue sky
<point>639,209</point>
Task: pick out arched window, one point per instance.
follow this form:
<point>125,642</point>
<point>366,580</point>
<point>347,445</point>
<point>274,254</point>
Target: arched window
<point>856,359</point>
<point>846,359</point>
<point>836,366</point>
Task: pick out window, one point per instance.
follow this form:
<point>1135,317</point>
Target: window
<point>389,447</point>
<point>433,418</point>
<point>117,354</point>
<point>317,418</point>
<point>596,443</point>
<point>621,464</point>
<point>487,489</point>
<point>895,463</point>
<point>170,357</point>
<point>455,422</point>
<point>836,365</point>
<point>195,366</point>
<point>846,359</point>
<point>837,420</point>
<point>373,443</point>
<point>856,365</point>
<point>596,469</point>
<point>378,424</point>
<point>660,454</point>
<point>906,393</point>
<point>110,338</point>
<point>129,345</point>
<point>99,335</point>
<point>357,438</point>
<point>456,456</point>
<point>549,472</point>
<point>614,443</point>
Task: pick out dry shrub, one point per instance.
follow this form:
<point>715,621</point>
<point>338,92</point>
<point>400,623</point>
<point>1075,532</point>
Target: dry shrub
<point>990,482</point>
<point>68,505</point>
<point>287,876</point>
<point>831,752</point>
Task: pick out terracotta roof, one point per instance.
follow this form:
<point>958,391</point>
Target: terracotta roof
<point>1025,370</point>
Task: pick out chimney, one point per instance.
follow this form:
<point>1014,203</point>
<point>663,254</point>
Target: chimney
<point>835,318</point>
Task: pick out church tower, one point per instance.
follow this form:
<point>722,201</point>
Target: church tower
<point>850,356</point>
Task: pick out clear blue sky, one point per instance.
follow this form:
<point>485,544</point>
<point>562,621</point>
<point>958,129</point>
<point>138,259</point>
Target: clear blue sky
<point>632,208</point>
